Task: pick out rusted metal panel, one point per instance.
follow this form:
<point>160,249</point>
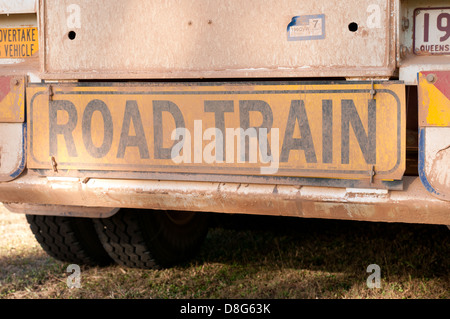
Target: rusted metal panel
<point>12,99</point>
<point>83,39</point>
<point>330,130</point>
<point>12,150</point>
<point>414,205</point>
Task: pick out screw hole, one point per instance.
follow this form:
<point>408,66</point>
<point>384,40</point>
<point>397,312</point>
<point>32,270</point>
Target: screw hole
<point>72,35</point>
<point>353,27</point>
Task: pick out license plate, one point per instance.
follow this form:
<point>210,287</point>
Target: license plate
<point>432,31</point>
<point>18,42</point>
<point>293,130</point>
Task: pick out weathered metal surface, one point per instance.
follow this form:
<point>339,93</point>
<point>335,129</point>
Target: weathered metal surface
<point>329,130</point>
<point>225,178</point>
<point>18,6</point>
<point>411,66</point>
<point>83,39</point>
<point>24,68</point>
<point>434,98</point>
<point>12,99</point>
<point>12,150</point>
<point>434,160</point>
<point>413,205</point>
<point>61,210</point>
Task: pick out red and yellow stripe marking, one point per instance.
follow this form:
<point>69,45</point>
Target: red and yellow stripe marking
<point>434,98</point>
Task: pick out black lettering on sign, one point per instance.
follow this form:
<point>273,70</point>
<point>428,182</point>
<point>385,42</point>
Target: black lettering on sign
<point>132,114</point>
<point>219,108</point>
<point>161,152</point>
<point>367,142</point>
<point>245,107</point>
<point>297,114</point>
<point>327,131</point>
<point>86,124</point>
<point>66,129</point>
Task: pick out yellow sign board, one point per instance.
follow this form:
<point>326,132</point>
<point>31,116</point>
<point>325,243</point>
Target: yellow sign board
<point>340,131</point>
<point>18,42</point>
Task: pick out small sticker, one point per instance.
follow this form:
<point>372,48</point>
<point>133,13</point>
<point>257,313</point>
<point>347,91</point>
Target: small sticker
<point>307,27</point>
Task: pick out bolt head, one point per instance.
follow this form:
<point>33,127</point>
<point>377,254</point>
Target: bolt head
<point>431,78</point>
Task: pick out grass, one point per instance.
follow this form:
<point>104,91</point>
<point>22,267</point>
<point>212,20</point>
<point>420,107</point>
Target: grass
<point>249,257</point>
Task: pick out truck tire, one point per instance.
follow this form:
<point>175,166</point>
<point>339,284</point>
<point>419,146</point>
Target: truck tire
<point>152,239</point>
<point>69,239</point>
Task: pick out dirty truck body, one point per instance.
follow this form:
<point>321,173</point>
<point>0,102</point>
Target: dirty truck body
<point>125,122</point>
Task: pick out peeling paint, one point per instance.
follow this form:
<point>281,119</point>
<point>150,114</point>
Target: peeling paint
<point>434,160</point>
<point>440,169</point>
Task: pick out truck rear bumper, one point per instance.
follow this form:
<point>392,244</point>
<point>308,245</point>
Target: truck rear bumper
<point>412,205</point>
